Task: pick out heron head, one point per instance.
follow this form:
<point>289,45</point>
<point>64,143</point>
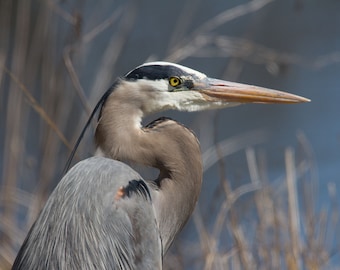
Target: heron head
<point>157,86</point>
<point>172,86</point>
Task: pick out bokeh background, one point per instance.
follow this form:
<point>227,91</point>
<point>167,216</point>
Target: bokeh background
<point>270,197</point>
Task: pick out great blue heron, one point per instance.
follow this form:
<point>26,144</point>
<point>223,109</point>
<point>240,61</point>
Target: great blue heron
<point>102,214</point>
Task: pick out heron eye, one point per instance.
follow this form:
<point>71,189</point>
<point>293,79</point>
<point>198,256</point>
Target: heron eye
<point>174,81</point>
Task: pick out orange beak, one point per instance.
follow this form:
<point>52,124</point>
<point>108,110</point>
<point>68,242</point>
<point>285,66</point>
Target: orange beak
<point>224,91</point>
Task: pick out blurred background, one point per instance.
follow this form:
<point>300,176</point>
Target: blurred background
<point>270,197</point>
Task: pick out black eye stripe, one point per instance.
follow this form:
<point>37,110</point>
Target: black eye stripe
<point>156,72</point>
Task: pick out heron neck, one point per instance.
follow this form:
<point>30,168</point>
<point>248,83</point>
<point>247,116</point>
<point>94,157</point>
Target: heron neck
<point>166,145</point>
<point>178,158</point>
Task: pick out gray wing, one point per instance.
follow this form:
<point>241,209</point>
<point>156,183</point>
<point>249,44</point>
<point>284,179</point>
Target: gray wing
<point>100,216</point>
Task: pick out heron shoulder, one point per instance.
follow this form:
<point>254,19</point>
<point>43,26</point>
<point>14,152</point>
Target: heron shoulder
<point>98,201</point>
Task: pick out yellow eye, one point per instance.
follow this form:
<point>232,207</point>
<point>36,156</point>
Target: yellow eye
<point>174,81</point>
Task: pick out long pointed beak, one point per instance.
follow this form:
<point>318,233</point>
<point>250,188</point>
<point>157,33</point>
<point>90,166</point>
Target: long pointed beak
<point>224,91</point>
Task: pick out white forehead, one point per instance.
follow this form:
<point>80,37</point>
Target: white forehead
<point>186,69</point>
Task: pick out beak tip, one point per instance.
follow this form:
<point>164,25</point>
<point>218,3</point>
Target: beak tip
<point>303,100</point>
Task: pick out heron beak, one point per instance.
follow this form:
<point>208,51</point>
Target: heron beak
<point>219,90</point>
